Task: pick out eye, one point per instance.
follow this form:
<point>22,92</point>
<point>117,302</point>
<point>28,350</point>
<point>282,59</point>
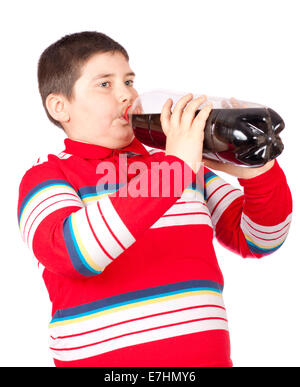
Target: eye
<point>130,80</point>
<point>103,83</point>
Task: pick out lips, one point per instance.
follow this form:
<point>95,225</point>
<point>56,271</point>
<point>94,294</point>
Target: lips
<point>126,113</point>
<point>124,116</point>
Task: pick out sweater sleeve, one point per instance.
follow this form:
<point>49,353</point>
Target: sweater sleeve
<point>74,240</point>
<point>253,223</point>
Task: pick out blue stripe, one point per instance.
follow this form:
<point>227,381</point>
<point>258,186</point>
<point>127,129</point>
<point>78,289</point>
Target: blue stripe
<point>207,177</point>
<point>136,296</point>
<point>99,189</point>
<point>258,250</point>
<point>75,255</point>
<point>98,194</point>
<point>39,187</point>
<point>195,187</point>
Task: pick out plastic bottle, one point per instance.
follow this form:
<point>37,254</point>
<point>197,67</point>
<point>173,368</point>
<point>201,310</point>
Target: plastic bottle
<point>245,136</point>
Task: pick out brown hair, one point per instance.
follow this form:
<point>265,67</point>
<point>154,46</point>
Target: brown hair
<point>60,64</point>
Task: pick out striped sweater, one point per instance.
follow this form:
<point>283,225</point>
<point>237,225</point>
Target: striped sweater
<point>133,277</point>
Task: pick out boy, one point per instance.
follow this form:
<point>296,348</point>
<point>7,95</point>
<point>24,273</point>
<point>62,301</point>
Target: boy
<point>133,279</point>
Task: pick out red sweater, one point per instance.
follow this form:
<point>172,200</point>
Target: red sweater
<point>131,271</point>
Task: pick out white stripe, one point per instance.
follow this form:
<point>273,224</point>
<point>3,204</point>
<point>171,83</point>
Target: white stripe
<point>188,199</point>
<point>270,240</point>
<point>140,338</point>
<point>137,325</point>
<point>135,310</point>
<point>191,194</point>
<point>246,228</point>
<point>37,206</point>
<point>153,151</point>
<point>211,201</point>
<point>45,213</point>
<point>103,233</point>
<point>93,199</point>
<point>104,320</point>
<point>264,243</point>
<point>213,184</point>
<point>115,222</point>
<point>266,228</point>
<point>63,155</point>
<point>182,220</point>
<point>96,254</point>
<point>182,208</point>
<point>225,203</point>
<point>42,159</point>
<point>45,193</point>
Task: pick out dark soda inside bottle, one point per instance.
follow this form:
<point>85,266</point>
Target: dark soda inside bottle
<point>241,136</point>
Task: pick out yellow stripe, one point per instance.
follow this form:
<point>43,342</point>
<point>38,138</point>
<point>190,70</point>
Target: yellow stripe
<point>194,190</point>
<point>34,197</point>
<point>133,305</point>
<point>192,193</point>
<point>83,250</point>
<point>95,198</point>
<point>211,180</point>
<point>261,246</point>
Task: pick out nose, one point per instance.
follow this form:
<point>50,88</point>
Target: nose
<point>125,94</point>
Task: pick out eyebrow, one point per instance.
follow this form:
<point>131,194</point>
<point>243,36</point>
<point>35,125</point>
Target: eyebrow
<point>111,75</point>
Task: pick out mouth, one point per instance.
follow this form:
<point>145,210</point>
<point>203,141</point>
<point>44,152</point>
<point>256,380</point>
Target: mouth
<point>126,113</point>
<point>124,116</point>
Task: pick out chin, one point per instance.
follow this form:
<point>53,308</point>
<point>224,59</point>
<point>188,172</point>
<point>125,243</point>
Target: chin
<point>127,141</point>
<point>126,137</point>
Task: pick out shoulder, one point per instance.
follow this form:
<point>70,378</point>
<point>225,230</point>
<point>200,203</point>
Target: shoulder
<point>46,168</point>
<point>47,158</point>
<point>42,181</point>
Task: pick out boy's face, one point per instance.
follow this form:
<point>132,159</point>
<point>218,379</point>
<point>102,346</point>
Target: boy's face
<point>100,101</point>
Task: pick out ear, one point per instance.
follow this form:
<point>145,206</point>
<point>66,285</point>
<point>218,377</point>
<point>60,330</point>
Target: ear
<point>58,108</point>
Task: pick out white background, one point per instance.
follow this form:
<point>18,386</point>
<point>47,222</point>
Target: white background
<point>245,49</point>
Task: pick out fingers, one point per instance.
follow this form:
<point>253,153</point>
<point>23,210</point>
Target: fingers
<point>234,103</point>
<point>138,108</point>
<point>179,107</point>
<point>202,116</point>
<point>237,104</point>
<point>190,111</point>
<point>225,105</point>
<point>183,113</point>
<point>165,115</point>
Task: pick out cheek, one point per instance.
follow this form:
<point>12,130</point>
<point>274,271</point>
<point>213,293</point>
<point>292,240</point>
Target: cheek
<point>103,109</point>
<point>99,113</point>
<point>135,94</point>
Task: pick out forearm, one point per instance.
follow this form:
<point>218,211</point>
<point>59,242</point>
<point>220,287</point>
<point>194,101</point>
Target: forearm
<point>260,222</point>
<point>84,240</point>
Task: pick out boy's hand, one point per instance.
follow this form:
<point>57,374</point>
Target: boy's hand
<point>184,131</point>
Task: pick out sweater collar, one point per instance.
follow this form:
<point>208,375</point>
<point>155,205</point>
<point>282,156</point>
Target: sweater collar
<point>92,151</point>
